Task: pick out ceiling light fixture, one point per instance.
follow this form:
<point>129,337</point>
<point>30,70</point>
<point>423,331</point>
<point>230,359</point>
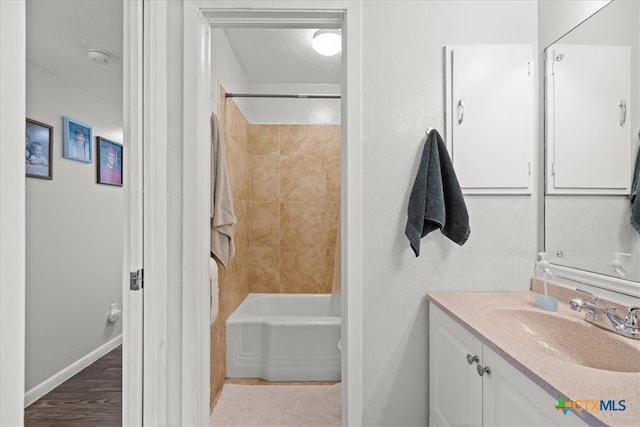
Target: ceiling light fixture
<point>100,56</point>
<point>327,42</point>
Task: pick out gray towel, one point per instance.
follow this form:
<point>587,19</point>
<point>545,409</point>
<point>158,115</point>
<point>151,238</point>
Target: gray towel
<point>635,197</point>
<point>436,198</point>
<point>223,217</point>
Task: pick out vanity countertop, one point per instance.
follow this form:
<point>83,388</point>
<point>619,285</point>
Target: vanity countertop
<point>558,376</point>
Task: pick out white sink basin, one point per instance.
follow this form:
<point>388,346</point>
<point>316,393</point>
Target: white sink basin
<point>574,341</point>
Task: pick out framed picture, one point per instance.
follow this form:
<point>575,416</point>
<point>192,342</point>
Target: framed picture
<point>109,162</point>
<point>77,141</point>
<point>38,150</point>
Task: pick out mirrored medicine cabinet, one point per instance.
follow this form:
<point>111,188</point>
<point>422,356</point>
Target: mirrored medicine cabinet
<point>592,118</point>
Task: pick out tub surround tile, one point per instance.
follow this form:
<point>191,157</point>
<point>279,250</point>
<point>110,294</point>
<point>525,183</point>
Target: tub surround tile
<point>264,270</point>
<point>306,270</point>
<point>245,185</point>
<point>333,217</point>
<point>264,139</point>
<point>265,178</point>
<point>222,100</point>
<point>306,224</point>
<point>333,169</point>
<point>264,229</point>
<point>218,356</point>
<point>242,228</point>
<point>299,167</point>
<point>302,178</point>
<point>334,140</point>
<point>227,291</point>
<point>231,113</point>
<point>240,280</point>
<point>232,153</point>
<point>302,140</point>
<point>243,132</point>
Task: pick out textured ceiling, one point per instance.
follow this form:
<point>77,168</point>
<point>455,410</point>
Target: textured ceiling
<point>59,32</point>
<point>282,56</point>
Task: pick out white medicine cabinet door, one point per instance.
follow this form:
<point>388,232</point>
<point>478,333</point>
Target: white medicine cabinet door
<point>490,110</point>
<point>588,119</point>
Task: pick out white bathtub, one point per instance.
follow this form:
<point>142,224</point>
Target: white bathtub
<point>284,337</point>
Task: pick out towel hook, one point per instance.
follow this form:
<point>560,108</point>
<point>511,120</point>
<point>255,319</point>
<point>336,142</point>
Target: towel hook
<point>428,131</point>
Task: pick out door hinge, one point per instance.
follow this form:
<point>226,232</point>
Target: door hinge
<point>529,168</point>
<point>136,280</point>
<point>553,168</point>
<point>528,68</point>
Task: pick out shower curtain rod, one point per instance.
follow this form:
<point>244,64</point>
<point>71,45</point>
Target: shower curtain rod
<point>267,95</point>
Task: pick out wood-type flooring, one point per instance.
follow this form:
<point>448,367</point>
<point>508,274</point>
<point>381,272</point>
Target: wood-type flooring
<point>91,398</point>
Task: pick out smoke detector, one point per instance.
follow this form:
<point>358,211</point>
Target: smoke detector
<point>100,56</point>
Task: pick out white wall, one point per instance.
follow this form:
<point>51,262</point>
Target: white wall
<point>402,86</point>
<point>74,236</point>
<point>225,69</point>
<point>556,18</point>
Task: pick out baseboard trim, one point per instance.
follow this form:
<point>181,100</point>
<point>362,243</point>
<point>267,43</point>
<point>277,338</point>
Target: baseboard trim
<point>46,386</point>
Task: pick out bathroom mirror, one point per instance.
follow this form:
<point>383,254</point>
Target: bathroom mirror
<point>588,173</point>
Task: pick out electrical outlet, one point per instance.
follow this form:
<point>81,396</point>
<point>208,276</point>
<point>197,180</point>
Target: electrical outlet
<point>114,312</point>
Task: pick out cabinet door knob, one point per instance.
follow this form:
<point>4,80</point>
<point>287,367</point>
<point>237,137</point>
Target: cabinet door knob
<point>460,112</point>
<point>623,111</point>
<point>472,359</point>
<point>483,370</point>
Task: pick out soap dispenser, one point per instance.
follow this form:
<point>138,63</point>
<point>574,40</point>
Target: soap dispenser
<point>542,272</point>
<point>616,264</point>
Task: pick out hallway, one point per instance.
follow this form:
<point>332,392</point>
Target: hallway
<point>93,397</point>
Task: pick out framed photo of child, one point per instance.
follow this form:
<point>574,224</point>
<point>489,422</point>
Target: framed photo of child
<point>109,162</point>
<point>38,150</point>
<point>77,140</point>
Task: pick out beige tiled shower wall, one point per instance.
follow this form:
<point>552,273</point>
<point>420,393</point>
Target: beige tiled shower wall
<point>294,207</point>
<point>233,284</point>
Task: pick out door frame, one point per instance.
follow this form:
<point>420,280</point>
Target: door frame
<point>176,106</point>
<point>132,261</point>
<point>344,16</point>
<point>12,210</point>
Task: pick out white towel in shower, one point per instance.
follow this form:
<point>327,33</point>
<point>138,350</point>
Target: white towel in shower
<point>223,217</point>
<point>214,288</point>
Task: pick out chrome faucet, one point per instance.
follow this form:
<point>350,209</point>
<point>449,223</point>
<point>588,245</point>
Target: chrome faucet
<point>628,327</point>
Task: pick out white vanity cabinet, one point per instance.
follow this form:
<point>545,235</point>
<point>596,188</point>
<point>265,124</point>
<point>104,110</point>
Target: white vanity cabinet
<point>455,388</point>
<point>502,396</point>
